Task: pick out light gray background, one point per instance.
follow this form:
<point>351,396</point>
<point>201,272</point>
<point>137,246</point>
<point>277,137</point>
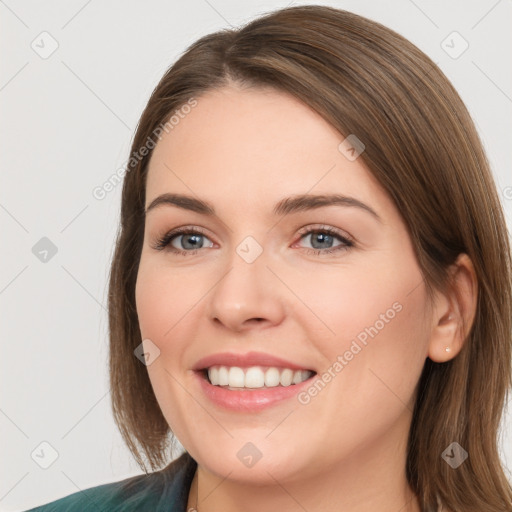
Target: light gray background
<point>66,126</point>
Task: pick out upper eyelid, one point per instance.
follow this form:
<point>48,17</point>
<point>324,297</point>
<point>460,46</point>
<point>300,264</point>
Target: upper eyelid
<point>324,227</point>
<point>306,229</point>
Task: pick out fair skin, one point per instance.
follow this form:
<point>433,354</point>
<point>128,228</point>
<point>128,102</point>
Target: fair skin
<point>242,151</point>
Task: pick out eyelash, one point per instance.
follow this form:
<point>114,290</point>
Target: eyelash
<point>164,241</point>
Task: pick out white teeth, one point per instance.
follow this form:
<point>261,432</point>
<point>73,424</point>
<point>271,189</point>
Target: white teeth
<point>272,377</point>
<point>298,378</point>
<point>255,376</point>
<point>236,377</point>
<point>223,376</point>
<point>213,373</point>
<point>286,377</point>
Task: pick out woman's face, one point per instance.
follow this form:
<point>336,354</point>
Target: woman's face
<point>347,303</point>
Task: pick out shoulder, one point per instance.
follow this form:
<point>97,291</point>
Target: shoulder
<point>166,489</point>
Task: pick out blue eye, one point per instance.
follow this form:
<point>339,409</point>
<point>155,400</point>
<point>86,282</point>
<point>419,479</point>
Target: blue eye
<point>323,237</point>
<point>192,239</point>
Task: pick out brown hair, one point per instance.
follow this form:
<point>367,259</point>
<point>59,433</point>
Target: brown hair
<point>422,146</point>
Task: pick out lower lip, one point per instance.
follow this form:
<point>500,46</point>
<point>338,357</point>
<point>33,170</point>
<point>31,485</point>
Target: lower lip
<point>249,400</point>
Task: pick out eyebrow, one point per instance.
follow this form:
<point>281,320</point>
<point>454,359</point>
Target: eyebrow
<point>285,206</point>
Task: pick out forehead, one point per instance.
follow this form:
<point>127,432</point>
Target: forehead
<point>255,146</point>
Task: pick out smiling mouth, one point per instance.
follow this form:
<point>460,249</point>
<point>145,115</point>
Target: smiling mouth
<point>254,377</point>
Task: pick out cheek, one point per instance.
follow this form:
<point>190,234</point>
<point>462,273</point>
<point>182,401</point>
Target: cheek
<point>165,300</point>
<point>344,303</point>
<point>384,346</point>
<point>162,301</point>
<point>378,339</point>
<point>170,305</point>
<point>373,362</point>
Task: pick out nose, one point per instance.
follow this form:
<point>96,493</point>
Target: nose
<point>247,296</point>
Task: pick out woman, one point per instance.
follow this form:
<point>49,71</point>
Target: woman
<point>311,287</point>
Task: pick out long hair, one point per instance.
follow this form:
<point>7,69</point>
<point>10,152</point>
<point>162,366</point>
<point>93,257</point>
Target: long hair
<point>422,146</point>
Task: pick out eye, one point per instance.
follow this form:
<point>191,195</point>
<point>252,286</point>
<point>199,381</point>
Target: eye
<point>191,239</point>
<point>322,239</point>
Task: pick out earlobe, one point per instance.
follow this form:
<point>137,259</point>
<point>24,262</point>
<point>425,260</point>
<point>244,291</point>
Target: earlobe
<point>454,312</point>
<point>445,342</point>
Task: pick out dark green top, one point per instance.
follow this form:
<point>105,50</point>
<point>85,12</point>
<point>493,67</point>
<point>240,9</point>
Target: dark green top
<point>161,491</point>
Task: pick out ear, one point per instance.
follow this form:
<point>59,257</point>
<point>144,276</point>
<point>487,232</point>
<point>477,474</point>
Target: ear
<point>454,312</point>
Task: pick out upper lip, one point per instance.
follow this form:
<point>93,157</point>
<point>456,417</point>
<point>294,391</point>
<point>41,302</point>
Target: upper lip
<point>245,360</point>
